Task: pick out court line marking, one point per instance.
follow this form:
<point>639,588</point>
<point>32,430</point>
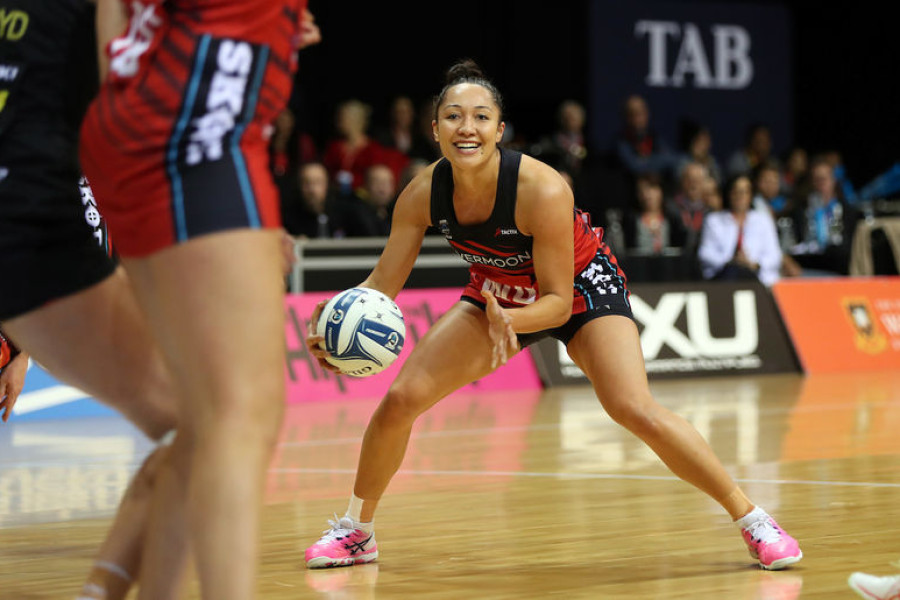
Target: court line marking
<point>606,476</point>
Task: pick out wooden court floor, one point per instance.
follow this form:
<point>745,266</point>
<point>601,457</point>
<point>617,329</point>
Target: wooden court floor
<point>515,495</point>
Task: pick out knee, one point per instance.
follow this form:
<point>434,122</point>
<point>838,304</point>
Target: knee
<point>640,416</point>
<point>244,412</point>
<point>403,404</point>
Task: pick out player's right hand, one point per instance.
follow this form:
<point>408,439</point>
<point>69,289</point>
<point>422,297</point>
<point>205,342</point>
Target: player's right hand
<point>315,342</point>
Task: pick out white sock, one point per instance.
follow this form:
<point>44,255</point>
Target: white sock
<point>751,517</point>
<point>353,512</point>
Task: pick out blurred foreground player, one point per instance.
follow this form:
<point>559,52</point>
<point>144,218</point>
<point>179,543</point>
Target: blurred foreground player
<point>176,146</point>
<point>61,297</point>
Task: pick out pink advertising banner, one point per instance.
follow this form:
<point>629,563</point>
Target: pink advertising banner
<point>307,381</point>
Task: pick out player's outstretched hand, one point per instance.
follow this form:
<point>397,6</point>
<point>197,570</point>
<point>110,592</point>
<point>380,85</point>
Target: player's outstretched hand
<point>313,340</point>
<point>12,380</point>
<point>504,340</point>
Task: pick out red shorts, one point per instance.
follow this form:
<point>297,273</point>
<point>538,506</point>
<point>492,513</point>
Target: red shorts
<point>176,143</point>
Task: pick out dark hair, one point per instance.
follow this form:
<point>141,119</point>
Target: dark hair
<point>731,182</point>
<point>467,71</point>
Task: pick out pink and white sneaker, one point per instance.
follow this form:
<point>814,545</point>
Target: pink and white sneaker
<point>768,543</point>
<point>341,546</point>
<point>875,588</point>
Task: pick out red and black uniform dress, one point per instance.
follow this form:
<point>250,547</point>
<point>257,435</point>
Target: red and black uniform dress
<point>48,66</point>
<point>176,143</point>
<point>502,261</point>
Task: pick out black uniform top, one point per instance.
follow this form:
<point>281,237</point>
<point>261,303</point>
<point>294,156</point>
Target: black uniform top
<point>495,244</point>
<point>47,78</point>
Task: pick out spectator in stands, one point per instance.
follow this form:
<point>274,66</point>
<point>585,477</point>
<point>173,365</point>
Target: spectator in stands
<point>711,194</point>
<point>757,150</point>
<point>412,169</point>
<point>639,149</point>
<point>377,199</point>
<point>696,146</point>
<point>428,148</point>
<point>278,144</point>
<point>689,206</point>
<point>826,223</point>
<point>739,243</point>
<point>349,155</point>
<point>834,158</point>
<point>566,148</point>
<point>651,225</point>
<point>401,134</point>
<point>795,174</point>
<point>769,197</point>
<point>306,207</point>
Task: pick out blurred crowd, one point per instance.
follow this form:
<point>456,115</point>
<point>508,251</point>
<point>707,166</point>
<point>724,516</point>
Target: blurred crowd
<point>754,215</point>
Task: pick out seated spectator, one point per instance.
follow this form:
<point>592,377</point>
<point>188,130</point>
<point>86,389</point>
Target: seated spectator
<point>427,148</point>
<point>651,226</point>
<point>712,195</point>
<point>739,243</point>
<point>756,151</point>
<point>401,134</point>
<point>349,156</point>
<point>415,166</point>
<point>825,224</point>
<point>836,161</point>
<point>377,199</point>
<point>566,148</point>
<point>310,210</point>
<point>696,146</point>
<point>795,174</point>
<point>769,198</point>
<point>689,206</point>
<point>639,149</point>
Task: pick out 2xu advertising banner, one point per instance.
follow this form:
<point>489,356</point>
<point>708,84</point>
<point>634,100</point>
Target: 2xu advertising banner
<point>688,330</point>
<point>844,324</point>
<point>307,381</point>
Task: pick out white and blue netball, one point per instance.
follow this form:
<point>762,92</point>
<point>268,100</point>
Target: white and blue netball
<point>363,330</point>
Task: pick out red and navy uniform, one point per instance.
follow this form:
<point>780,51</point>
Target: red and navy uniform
<point>501,257</point>
<point>176,143</point>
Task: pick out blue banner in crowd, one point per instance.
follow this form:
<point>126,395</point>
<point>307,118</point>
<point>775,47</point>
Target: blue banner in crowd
<point>725,66</point>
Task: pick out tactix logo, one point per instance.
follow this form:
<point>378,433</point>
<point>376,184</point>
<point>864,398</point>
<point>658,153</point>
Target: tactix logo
<point>500,231</point>
<point>695,345</point>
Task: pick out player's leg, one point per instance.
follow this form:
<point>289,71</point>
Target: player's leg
<point>97,340</point>
<point>215,304</point>
<point>608,350</point>
<point>454,352</point>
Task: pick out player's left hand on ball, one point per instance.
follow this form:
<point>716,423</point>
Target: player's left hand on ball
<point>504,340</point>
<point>315,342</point>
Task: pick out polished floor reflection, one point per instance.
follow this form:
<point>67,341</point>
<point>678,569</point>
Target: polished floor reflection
<point>516,495</point>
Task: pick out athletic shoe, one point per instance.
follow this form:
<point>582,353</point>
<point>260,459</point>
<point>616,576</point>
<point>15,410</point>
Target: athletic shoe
<point>769,544</point>
<point>875,588</point>
<point>341,546</point>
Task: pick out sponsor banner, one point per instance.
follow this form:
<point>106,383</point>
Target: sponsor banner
<point>843,324</point>
<point>713,63</point>
<point>693,329</point>
<point>307,381</point>
<point>45,398</point>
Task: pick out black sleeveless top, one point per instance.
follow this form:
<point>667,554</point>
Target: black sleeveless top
<point>47,78</point>
<point>496,246</point>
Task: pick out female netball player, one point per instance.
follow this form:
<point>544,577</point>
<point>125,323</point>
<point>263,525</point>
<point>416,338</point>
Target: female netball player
<point>537,269</point>
<point>175,146</point>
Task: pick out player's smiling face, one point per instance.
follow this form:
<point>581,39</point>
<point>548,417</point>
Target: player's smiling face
<point>468,125</point>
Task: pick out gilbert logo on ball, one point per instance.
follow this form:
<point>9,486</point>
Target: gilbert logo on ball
<point>363,331</point>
